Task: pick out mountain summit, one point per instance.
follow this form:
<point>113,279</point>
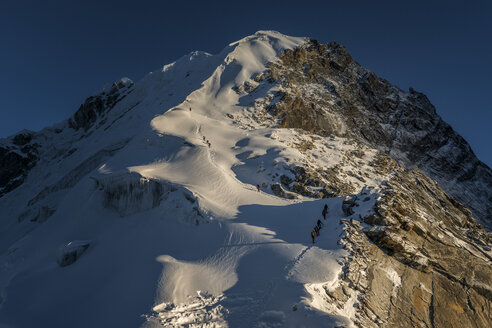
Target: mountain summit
<point>190,199</point>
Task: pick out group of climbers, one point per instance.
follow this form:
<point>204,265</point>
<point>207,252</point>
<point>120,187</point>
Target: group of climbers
<point>207,141</point>
<point>319,224</point>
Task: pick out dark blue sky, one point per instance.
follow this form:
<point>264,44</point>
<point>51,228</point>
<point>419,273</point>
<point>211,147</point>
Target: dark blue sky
<point>54,54</point>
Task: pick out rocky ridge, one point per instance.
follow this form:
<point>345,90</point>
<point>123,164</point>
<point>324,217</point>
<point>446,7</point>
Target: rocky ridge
<point>422,249</point>
<point>321,89</point>
<point>99,104</point>
<point>21,152</point>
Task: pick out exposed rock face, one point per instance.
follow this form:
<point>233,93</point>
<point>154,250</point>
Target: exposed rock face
<point>422,261</point>
<point>17,156</point>
<point>324,91</point>
<point>313,183</point>
<point>71,252</point>
<point>279,191</point>
<point>96,106</point>
<point>21,152</point>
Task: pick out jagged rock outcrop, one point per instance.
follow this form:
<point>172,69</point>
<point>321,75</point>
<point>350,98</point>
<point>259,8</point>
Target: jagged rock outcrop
<point>279,191</point>
<point>21,152</point>
<point>71,252</point>
<point>420,260</point>
<point>18,155</point>
<point>313,183</point>
<point>95,106</point>
<point>324,91</point>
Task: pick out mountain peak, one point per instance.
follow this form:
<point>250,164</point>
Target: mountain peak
<point>277,183</point>
<point>272,37</point>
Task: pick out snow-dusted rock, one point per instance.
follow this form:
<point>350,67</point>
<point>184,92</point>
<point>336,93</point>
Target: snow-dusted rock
<point>412,256</point>
<point>278,190</point>
<point>97,106</point>
<point>348,203</point>
<point>71,252</point>
<point>18,154</point>
<point>323,90</point>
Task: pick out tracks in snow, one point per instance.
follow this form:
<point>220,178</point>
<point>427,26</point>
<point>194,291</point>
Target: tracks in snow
<point>288,268</point>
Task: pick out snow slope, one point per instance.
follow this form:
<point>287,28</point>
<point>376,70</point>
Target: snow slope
<point>179,235</point>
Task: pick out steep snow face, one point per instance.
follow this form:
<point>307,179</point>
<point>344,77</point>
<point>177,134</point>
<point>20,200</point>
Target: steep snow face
<point>200,119</point>
<point>60,156</point>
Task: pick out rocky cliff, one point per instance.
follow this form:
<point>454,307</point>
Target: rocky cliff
<point>419,260</point>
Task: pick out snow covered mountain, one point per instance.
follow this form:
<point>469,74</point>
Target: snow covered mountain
<point>143,209</point>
